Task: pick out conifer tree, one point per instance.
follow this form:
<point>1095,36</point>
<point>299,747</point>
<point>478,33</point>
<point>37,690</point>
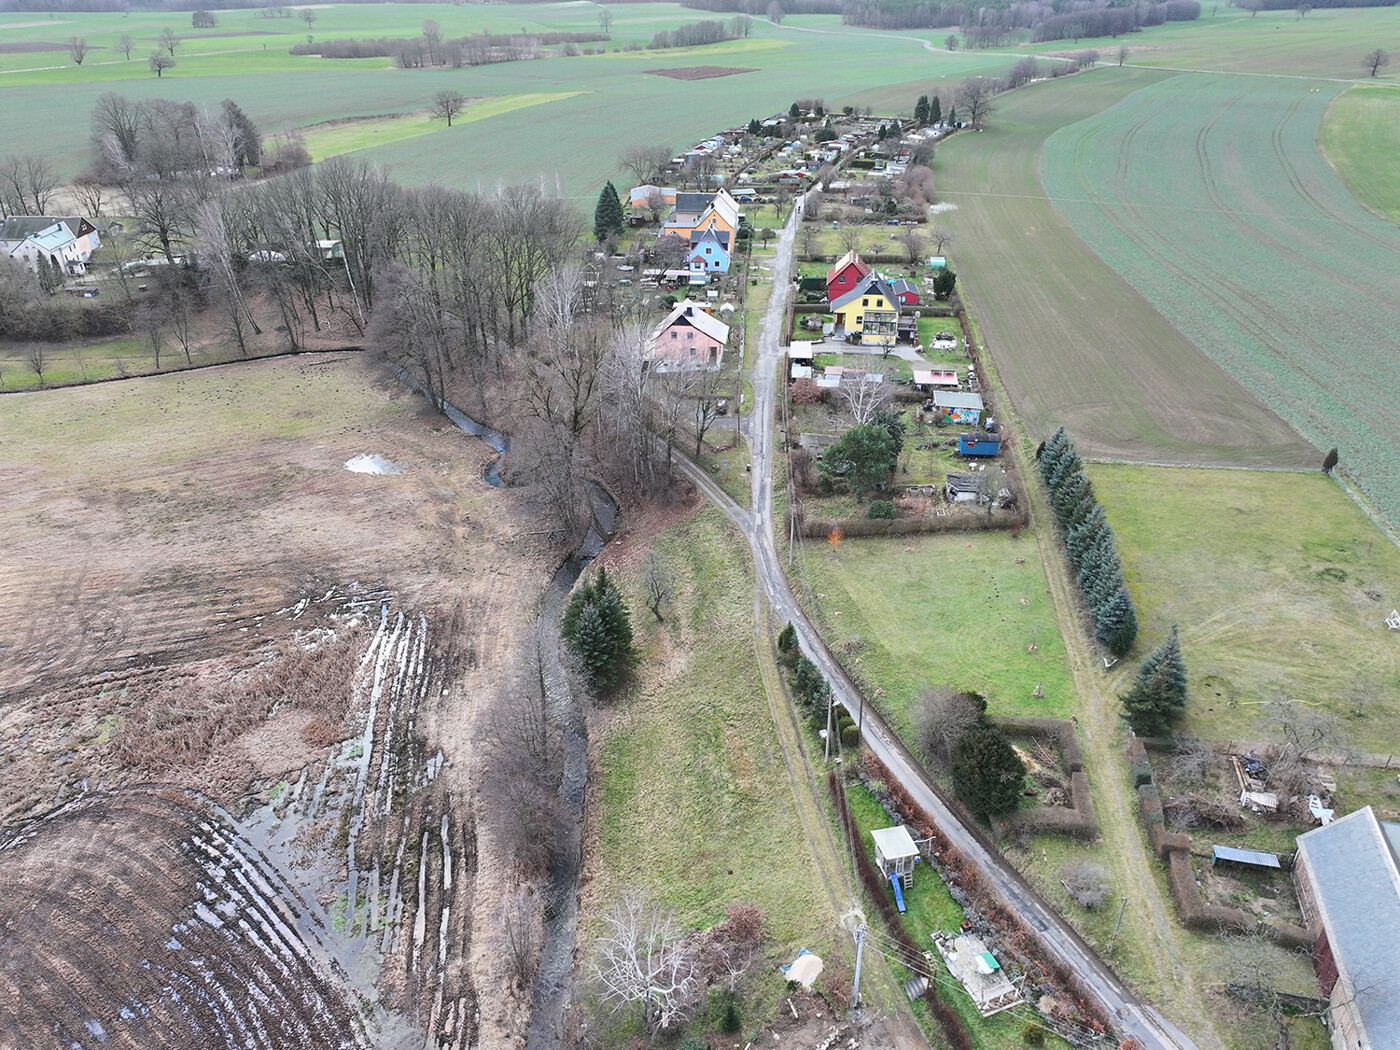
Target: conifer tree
<point>1158,695</point>
<point>921,110</point>
<point>1051,452</point>
<point>597,627</point>
<point>1116,623</point>
<point>1065,467</point>
<point>1074,490</point>
<point>608,217</point>
<point>1085,535</point>
<point>988,774</point>
<point>935,110</point>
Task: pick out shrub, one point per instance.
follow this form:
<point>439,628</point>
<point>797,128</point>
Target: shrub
<point>787,640</point>
<point>850,736</point>
<point>881,508</point>
<point>1032,1034</point>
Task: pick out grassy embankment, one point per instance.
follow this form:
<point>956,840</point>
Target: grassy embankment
<point>694,808</point>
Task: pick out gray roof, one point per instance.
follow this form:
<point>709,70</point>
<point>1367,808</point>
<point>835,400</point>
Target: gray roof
<point>1356,881</point>
<point>953,399</point>
<point>1245,856</point>
<point>18,227</point>
<point>894,843</point>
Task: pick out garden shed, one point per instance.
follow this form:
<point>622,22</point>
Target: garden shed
<point>958,407</point>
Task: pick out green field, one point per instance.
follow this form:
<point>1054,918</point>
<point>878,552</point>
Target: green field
<point>44,97</point>
<point>1360,136</point>
<point>1209,196</point>
<point>960,610</point>
<point>1267,575</point>
<point>1075,343</point>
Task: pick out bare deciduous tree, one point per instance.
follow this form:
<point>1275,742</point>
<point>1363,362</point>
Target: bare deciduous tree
<point>863,398</point>
<point>645,162</point>
<point>36,358</point>
<point>1375,61</point>
<point>518,937</point>
<point>643,960</point>
<point>90,193</point>
<point>308,16</point>
<point>447,104</point>
<point>159,62</point>
<point>912,240</point>
<point>605,19</point>
<point>27,185</point>
<point>78,49</point>
<point>658,583</point>
<point>168,41</point>
<point>126,45</point>
<point>851,236</point>
<point>974,98</point>
<point>941,718</point>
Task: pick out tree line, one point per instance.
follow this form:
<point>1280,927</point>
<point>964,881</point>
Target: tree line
<point>985,26</point>
<point>431,49</point>
<point>1089,543</point>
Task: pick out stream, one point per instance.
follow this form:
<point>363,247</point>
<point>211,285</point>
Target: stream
<point>554,976</point>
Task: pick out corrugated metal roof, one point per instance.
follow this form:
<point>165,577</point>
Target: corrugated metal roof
<point>1352,864</point>
<point>1245,856</point>
<point>953,399</point>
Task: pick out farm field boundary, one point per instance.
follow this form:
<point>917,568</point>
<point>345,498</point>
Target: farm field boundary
<point>1073,342</point>
<point>1253,247</point>
<point>1360,136</point>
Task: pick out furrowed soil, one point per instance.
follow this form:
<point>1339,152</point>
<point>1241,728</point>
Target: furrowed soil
<point>239,689</point>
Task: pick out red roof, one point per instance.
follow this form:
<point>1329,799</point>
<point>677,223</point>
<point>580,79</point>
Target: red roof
<point>850,259</point>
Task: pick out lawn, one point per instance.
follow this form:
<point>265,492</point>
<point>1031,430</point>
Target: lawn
<point>692,803</point>
<point>1279,584</point>
<point>1222,224</point>
<point>1360,136</point>
<point>1073,341</point>
<point>961,610</point>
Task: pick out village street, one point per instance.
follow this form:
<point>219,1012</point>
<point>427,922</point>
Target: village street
<point>1132,1016</point>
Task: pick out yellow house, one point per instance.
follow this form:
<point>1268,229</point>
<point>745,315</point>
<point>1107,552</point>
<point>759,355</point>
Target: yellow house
<point>870,311</point>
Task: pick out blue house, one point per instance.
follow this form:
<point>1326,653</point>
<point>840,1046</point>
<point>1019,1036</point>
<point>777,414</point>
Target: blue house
<point>979,444</point>
<point>709,251</point>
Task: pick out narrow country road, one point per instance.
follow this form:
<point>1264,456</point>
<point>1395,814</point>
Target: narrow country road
<point>1132,1016</point>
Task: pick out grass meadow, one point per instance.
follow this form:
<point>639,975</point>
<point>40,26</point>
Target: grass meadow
<point>1360,136</point>
<point>1209,196</point>
<point>1280,586</point>
<point>960,610</point>
<point>694,806</point>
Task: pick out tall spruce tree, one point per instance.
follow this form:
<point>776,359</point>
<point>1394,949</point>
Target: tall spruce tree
<point>1051,452</point>
<point>1158,695</point>
<point>1116,624</point>
<point>935,110</point>
<point>1085,535</point>
<point>921,110</point>
<point>1073,491</point>
<point>608,217</point>
<point>1065,467</point>
<point>597,628</point>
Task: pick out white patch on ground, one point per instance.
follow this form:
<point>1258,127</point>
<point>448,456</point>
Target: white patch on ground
<point>942,206</point>
<point>369,464</point>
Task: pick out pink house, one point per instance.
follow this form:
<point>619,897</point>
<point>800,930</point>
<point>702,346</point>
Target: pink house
<point>689,338</point>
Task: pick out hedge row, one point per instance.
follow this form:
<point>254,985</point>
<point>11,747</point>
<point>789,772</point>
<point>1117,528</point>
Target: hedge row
<point>958,519</point>
<point>1060,730</point>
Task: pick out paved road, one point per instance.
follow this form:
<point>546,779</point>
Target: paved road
<point>1131,1015</point>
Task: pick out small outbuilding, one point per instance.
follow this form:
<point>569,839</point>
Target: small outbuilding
<point>895,852</point>
<point>979,444</point>
<point>961,488</point>
<point>926,379</point>
<point>957,407</point>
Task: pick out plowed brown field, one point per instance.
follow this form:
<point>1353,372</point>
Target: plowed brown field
<point>238,685</point>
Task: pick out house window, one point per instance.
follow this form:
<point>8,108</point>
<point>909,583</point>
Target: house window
<point>865,302</point>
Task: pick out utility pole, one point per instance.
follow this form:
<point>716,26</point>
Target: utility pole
<point>1118,926</point>
<point>855,985</point>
